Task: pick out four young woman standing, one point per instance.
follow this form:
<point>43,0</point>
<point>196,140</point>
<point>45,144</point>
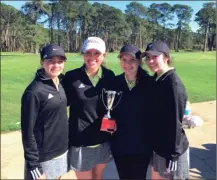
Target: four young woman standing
<point>148,116</point>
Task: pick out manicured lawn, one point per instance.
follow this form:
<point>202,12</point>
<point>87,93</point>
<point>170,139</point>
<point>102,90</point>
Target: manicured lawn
<point>196,69</point>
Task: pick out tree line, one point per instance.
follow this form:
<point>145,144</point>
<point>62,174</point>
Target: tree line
<point>71,22</point>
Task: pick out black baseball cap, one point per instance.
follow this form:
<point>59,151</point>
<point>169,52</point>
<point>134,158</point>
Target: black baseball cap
<point>130,49</point>
<point>52,50</point>
<point>156,48</point>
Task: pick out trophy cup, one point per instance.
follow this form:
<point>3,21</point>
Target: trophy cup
<point>108,124</point>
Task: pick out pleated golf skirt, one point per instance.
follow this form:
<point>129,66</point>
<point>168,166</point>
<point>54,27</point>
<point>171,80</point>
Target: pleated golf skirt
<point>53,168</point>
<point>183,164</point>
<point>86,158</point>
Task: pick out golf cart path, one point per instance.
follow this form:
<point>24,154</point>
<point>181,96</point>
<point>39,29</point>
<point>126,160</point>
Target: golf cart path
<point>202,141</point>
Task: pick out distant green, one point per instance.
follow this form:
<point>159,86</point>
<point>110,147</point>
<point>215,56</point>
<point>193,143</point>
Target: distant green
<point>196,69</point>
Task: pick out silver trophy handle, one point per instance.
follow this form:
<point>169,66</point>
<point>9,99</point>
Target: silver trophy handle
<point>110,100</point>
<point>119,93</point>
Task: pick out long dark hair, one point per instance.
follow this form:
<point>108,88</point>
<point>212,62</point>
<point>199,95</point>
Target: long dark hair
<point>141,73</point>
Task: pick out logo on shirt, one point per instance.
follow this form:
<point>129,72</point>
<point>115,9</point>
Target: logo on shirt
<point>50,96</point>
<point>81,86</point>
<point>55,49</point>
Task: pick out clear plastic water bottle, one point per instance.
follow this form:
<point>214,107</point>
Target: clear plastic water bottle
<point>187,116</point>
<point>187,113</point>
<point>189,120</point>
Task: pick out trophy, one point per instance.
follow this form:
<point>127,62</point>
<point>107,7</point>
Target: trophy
<point>108,124</point>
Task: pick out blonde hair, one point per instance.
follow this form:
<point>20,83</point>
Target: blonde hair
<point>169,61</point>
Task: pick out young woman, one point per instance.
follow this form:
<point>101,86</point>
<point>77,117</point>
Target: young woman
<point>171,146</point>
<point>130,142</point>
<point>89,150</point>
<point>44,121</point>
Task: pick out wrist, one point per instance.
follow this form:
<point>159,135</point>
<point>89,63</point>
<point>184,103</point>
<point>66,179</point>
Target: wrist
<point>171,165</point>
<point>37,173</point>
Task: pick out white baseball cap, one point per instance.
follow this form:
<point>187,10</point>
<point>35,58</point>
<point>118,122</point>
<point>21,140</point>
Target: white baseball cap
<point>94,43</point>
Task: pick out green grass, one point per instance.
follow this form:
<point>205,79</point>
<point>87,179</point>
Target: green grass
<point>196,69</point>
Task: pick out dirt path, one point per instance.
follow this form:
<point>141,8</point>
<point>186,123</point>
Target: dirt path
<point>202,141</point>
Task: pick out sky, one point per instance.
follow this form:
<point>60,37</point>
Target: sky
<point>196,6</point>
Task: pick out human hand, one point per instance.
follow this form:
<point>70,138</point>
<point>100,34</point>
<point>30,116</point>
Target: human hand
<point>43,176</point>
<point>112,130</point>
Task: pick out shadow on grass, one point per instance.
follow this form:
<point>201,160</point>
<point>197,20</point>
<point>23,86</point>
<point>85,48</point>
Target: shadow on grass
<point>6,55</point>
<point>192,50</point>
<point>204,160</point>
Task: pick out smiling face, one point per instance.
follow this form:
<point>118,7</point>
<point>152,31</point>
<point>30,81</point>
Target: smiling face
<point>129,64</point>
<point>156,63</point>
<point>53,66</point>
<point>93,59</point>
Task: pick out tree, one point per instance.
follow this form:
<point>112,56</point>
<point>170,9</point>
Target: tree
<point>184,14</point>
<point>153,19</point>
<point>165,15</point>
<point>33,10</point>
<point>85,20</point>
<point>71,22</point>
<point>136,16</point>
<point>206,17</point>
<point>8,20</point>
<point>110,25</point>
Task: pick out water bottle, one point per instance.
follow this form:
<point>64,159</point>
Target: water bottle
<point>187,113</point>
<point>187,116</point>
